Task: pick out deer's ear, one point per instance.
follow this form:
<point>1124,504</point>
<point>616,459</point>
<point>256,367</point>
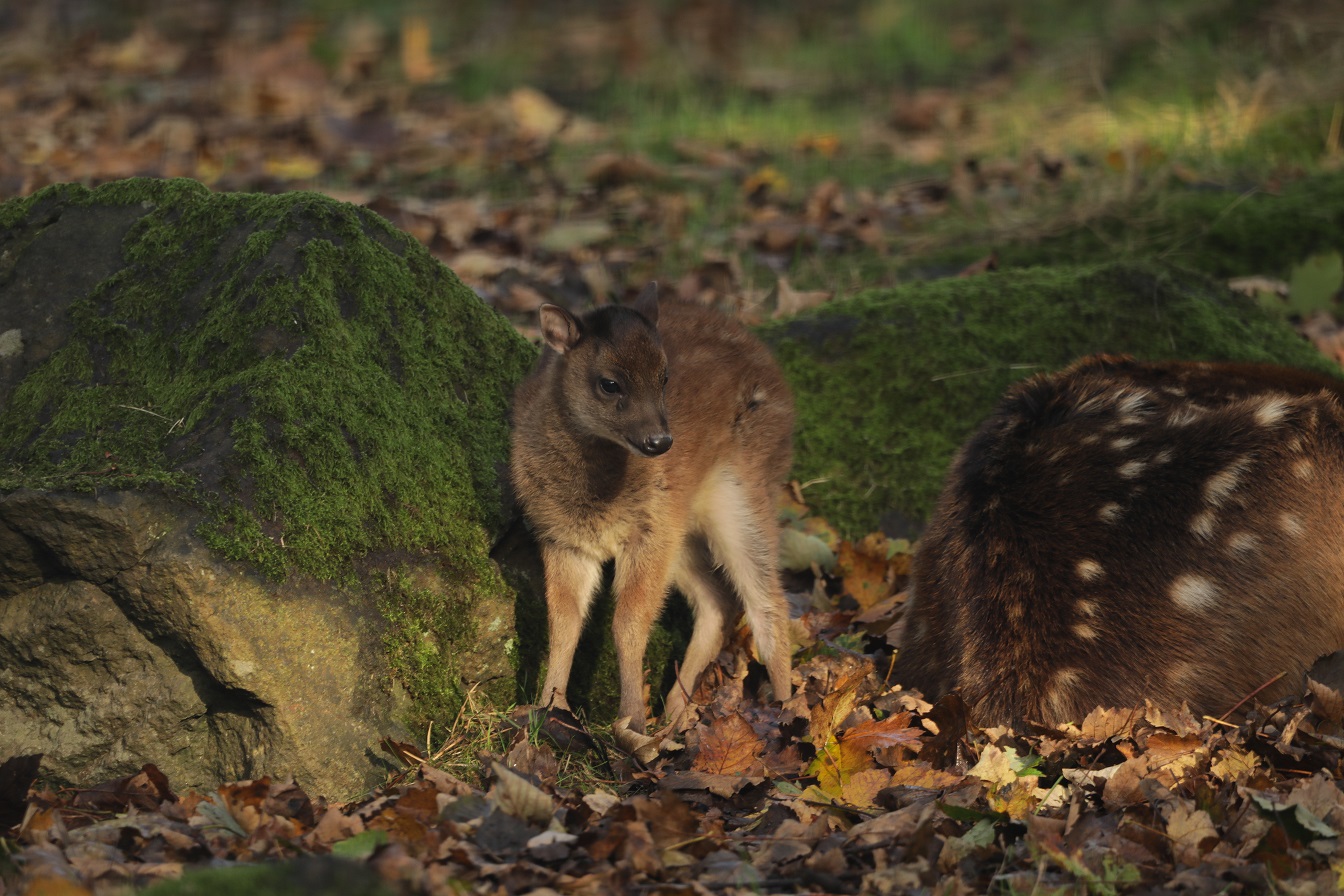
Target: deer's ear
<point>559,328</point>
<point>647,303</point>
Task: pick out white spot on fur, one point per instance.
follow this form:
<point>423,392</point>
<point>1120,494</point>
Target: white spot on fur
<point>1058,454</point>
<point>1221,484</point>
<point>1163,457</point>
<point>1304,469</point>
<point>1086,607</point>
<point>1133,404</point>
<point>1271,411</point>
<point>1243,543</point>
<point>1110,513</point>
<point>1202,524</point>
<point>1186,414</point>
<point>1131,469</point>
<point>1089,570</point>
<point>1194,592</point>
<point>1124,442</point>
<point>1291,525</point>
<point>1061,688</point>
<point>1085,631</point>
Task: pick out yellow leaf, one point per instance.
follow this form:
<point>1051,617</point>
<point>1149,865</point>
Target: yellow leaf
<point>417,63</point>
<point>535,114</point>
<point>1233,764</point>
<point>298,166</point>
<point>765,181</point>
<point>837,765</point>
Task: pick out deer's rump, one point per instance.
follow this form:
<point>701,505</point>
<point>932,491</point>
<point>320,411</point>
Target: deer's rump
<point>1121,532</point>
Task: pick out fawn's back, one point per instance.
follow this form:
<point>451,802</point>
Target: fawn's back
<point>1124,531</point>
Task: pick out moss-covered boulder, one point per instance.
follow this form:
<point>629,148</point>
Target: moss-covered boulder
<point>890,383</point>
<point>1228,231</point>
<point>250,447</point>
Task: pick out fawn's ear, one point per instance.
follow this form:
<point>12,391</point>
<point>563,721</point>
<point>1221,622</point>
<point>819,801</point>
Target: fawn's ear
<point>647,303</point>
<point>559,328</point>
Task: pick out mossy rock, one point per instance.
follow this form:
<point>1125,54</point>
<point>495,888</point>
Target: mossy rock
<point>1221,231</point>
<point>890,383</point>
<point>325,401</point>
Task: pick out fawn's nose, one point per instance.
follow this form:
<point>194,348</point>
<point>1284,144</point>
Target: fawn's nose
<point>655,445</point>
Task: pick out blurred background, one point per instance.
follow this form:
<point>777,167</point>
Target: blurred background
<point>756,155</point>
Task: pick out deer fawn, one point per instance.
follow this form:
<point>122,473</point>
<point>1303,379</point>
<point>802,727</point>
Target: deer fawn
<point>1123,531</point>
<point>657,437</point>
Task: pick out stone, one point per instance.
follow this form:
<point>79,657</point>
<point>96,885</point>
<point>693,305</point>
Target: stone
<point>890,382</point>
<point>250,455</point>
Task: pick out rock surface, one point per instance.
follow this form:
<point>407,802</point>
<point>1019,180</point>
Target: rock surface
<point>890,383</point>
<point>249,454</point>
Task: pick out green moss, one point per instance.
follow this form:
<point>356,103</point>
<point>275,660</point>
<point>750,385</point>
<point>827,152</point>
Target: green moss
<point>307,373</point>
<point>890,383</point>
<point>428,628</point>
<point>1222,232</point>
<point>362,387</point>
<point>308,876</point>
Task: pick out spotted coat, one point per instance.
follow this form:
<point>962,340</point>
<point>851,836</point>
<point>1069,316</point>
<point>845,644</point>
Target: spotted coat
<point>1123,531</point>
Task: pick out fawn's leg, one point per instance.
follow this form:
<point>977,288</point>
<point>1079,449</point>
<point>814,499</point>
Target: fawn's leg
<point>744,539</point>
<point>571,582</point>
<point>642,573</point>
<point>715,610</point>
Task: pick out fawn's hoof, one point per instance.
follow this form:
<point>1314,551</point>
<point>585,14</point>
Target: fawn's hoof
<point>559,726</point>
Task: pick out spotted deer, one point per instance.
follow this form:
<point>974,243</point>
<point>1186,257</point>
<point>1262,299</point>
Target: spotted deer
<point>1123,531</point>
<point>655,436</point>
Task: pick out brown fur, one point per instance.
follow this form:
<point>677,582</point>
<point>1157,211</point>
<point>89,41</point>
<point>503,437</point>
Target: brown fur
<point>699,516</point>
<point>1123,531</point>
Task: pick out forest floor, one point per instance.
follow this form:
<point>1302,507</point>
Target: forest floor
<point>762,161</point>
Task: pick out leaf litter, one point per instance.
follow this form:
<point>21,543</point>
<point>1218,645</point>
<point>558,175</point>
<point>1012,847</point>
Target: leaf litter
<point>854,785</point>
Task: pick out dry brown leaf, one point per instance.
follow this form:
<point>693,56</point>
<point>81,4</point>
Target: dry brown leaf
<point>922,774</point>
<point>519,797</point>
<point>1191,832</point>
<point>608,170</point>
<point>864,572</point>
<point>893,731</point>
<point>729,747</point>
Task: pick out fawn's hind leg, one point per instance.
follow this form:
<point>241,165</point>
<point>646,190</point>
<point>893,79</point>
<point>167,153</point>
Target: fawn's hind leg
<point>744,539</point>
<point>571,583</point>
<point>715,612</point>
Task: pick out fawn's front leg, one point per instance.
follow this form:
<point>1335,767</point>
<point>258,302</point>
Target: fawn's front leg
<point>643,571</point>
<point>571,583</point>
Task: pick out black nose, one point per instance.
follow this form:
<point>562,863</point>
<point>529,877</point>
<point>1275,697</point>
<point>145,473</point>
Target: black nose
<point>655,445</point>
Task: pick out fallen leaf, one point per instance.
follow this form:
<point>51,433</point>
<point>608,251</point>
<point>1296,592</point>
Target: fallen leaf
<point>729,746</point>
<point>894,731</point>
<point>417,62</point>
<point>519,797</point>
<point>566,236</point>
<point>534,114</point>
<point>789,301</point>
<point>1192,834</point>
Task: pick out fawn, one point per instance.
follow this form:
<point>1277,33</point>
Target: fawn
<point>1122,531</point>
<point>655,437</point>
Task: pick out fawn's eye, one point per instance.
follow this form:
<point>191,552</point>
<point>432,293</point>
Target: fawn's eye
<point>611,387</point>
